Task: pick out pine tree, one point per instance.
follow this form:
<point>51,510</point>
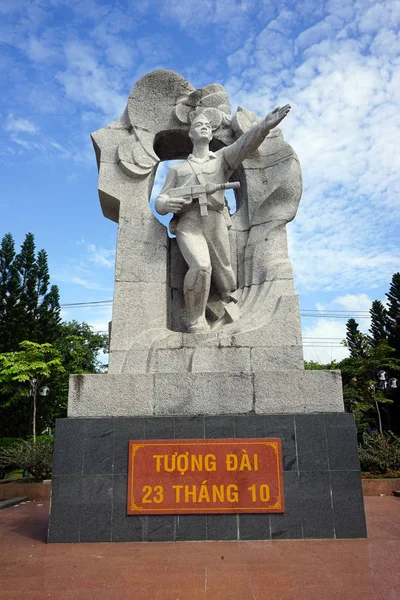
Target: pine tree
<point>47,313</point>
<point>26,264</point>
<point>379,322</point>
<point>393,313</point>
<point>10,291</point>
<point>48,317</point>
<point>28,310</point>
<point>355,340</point>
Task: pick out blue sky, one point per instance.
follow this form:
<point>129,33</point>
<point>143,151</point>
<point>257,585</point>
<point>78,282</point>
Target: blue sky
<point>67,67</point>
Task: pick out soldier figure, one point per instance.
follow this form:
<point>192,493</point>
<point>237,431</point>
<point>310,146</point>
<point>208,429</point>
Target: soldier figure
<point>204,240</point>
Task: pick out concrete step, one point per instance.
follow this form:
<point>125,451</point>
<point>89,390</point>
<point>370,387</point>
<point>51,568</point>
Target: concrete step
<point>13,501</point>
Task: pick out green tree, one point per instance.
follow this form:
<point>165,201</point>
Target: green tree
<point>80,349</point>
<point>311,365</point>
<point>30,313</point>
<point>361,393</point>
<point>10,292</point>
<point>29,309</point>
<point>23,372</point>
<point>393,313</point>
<point>379,322</point>
<point>355,340</point>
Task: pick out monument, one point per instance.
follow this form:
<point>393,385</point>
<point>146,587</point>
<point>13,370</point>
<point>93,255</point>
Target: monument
<point>205,343</point>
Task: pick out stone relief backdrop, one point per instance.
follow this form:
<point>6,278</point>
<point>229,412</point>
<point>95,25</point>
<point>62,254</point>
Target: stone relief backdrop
<point>147,326</point>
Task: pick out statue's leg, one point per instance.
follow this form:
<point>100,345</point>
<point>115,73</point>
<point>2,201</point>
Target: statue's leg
<point>196,285</point>
<point>217,236</point>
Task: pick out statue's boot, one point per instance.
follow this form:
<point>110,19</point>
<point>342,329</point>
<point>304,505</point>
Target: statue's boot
<point>196,289</point>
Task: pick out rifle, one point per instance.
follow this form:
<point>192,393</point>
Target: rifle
<point>200,193</point>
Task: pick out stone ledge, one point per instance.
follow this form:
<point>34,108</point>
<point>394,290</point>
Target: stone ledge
<point>152,394</point>
<point>13,501</point>
<point>34,491</point>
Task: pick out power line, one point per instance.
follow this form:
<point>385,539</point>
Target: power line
<point>82,304</point>
<point>329,316</point>
<point>336,311</point>
<point>312,313</point>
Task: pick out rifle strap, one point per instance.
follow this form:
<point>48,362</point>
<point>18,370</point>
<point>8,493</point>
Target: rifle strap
<point>198,174</point>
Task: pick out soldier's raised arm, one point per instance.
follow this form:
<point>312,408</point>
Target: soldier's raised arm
<point>251,139</point>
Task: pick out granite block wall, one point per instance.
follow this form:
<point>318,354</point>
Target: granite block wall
<point>322,484</point>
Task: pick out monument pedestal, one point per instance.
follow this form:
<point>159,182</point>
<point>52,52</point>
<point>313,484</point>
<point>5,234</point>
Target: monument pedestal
<point>322,483</point>
<point>243,377</point>
<point>205,393</point>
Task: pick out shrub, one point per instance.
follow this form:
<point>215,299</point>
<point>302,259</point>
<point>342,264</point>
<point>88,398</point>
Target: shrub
<point>380,452</point>
<point>35,458</point>
<point>7,442</point>
<point>388,475</point>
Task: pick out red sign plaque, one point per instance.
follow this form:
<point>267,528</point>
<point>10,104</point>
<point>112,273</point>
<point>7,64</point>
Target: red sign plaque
<point>205,476</point>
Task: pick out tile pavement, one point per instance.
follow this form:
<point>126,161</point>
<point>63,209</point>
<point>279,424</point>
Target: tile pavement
<point>357,569</point>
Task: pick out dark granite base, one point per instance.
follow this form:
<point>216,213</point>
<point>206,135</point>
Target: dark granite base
<point>323,494</point>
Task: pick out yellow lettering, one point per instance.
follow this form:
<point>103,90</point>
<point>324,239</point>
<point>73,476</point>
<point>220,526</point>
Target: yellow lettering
<point>182,463</point>
<point>170,468</point>
<point>210,462</point>
<point>159,494</point>
<point>196,462</point>
<point>232,492</point>
<point>203,494</point>
<point>252,489</point>
<point>218,493</point>
<point>231,462</point>
<point>255,459</point>
<point>147,491</point>
<point>264,492</point>
<point>192,493</point>
<point>158,458</point>
<point>177,489</point>
<point>245,463</point>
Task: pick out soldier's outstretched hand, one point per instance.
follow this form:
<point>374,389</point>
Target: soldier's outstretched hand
<point>276,116</point>
<point>167,204</point>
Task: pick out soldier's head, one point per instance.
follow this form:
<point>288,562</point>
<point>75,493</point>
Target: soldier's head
<point>200,129</point>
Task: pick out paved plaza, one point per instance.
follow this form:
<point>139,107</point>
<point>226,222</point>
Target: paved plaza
<point>369,569</point>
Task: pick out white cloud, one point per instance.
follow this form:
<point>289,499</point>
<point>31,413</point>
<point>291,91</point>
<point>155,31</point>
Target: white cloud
<point>338,63</point>
<point>380,16</point>
<point>322,340</point>
<point>20,125</point>
<point>88,83</point>
<point>38,50</point>
<point>80,272</point>
<point>319,32</point>
<point>86,283</point>
<point>356,302</point>
<point>345,91</point>
<point>228,19</point>
<point>102,257</point>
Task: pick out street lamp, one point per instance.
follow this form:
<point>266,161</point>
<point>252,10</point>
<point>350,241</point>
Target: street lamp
<point>386,384</point>
<point>44,390</point>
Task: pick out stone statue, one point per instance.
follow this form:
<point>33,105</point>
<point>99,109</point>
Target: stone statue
<point>220,297</point>
<point>209,322</point>
<point>204,240</point>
